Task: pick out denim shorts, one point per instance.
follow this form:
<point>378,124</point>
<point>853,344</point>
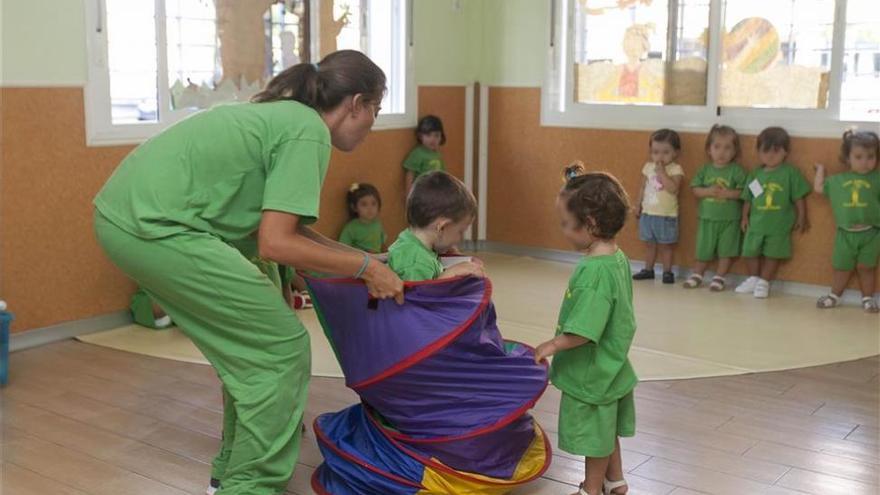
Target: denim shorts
<point>660,230</point>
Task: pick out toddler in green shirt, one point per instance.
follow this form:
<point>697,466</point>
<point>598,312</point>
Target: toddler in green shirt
<point>425,157</point>
<point>773,208</point>
<point>595,331</point>
<point>719,185</point>
<point>439,210</point>
<point>855,200</point>
<point>364,230</point>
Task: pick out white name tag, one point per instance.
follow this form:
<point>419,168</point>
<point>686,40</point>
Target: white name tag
<point>756,188</point>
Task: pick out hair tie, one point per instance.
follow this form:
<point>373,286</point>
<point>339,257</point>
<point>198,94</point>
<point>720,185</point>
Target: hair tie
<point>354,187</point>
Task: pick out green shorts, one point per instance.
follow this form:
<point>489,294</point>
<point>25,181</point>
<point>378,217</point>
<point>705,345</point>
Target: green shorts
<point>853,249</point>
<point>591,430</point>
<point>768,245</point>
<point>718,239</point>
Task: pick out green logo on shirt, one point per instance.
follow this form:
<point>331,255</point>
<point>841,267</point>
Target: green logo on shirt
<point>769,191</point>
<point>855,185</point>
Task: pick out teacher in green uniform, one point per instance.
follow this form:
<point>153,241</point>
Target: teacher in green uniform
<point>169,212</point>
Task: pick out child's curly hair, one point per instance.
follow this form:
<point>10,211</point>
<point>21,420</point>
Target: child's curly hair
<point>357,191</point>
<point>863,139</point>
<point>596,199</point>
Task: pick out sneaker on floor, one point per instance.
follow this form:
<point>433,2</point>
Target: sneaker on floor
<point>747,287</point>
<point>762,289</point>
<point>668,278</point>
<point>644,274</point>
<point>213,487</point>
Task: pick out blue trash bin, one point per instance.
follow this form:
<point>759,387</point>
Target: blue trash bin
<point>5,322</point>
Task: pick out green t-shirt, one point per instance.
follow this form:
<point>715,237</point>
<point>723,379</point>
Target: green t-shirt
<point>411,260</point>
<point>731,176</point>
<point>217,170</point>
<point>855,198</point>
<point>421,160</point>
<point>773,211</point>
<point>597,306</point>
<point>369,236</point>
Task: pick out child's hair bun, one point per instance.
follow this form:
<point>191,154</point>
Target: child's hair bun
<point>573,170</point>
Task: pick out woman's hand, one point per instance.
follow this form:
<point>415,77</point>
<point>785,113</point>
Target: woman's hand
<point>382,283</point>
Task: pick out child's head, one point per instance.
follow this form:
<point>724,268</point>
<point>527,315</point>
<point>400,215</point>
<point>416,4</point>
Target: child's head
<point>722,144</point>
<point>363,201</point>
<point>774,144</point>
<point>430,132</point>
<point>664,145</point>
<point>860,150</point>
<point>592,206</point>
<point>443,205</point>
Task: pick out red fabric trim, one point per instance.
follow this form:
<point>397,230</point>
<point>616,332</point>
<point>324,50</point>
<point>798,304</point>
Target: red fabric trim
<point>434,347</point>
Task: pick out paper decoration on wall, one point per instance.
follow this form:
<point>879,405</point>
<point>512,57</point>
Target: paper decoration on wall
<point>242,34</point>
<point>754,77</point>
<point>751,46</point>
<point>204,96</point>
<point>330,26</point>
<point>642,80</point>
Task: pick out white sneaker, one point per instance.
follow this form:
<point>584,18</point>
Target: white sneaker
<point>762,289</point>
<point>748,286</point>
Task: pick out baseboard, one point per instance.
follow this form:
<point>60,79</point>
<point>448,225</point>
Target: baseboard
<point>69,329</point>
<point>850,296</point>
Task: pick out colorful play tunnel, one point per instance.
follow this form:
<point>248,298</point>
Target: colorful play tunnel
<point>445,399</point>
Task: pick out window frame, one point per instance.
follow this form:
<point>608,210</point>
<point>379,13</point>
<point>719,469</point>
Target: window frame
<point>100,129</point>
<point>559,109</point>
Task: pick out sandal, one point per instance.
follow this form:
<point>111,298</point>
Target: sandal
<point>718,284</point>
<point>610,486</point>
<point>581,490</point>
<point>870,305</point>
<point>302,300</point>
<point>829,301</point>
<point>693,281</point>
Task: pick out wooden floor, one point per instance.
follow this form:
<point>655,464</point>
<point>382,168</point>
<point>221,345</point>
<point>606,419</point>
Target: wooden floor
<point>79,419</point>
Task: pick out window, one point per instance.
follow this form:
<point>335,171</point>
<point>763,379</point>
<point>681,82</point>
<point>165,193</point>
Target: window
<point>153,62</point>
<point>812,66</point>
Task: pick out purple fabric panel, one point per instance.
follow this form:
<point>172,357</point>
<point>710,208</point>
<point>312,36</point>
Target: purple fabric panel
<point>369,341</point>
<point>469,385</point>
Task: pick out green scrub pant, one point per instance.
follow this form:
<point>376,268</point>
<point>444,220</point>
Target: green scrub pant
<point>236,316</point>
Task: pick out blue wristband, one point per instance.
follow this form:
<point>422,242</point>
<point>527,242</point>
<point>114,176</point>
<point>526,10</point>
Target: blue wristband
<point>363,267</point>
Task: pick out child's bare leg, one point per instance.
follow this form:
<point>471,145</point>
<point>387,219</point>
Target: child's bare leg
<point>596,467</point>
<point>840,280</point>
<point>866,279</point>
<point>754,266</point>
<point>615,468</point>
<point>298,282</point>
<point>666,251</point>
<point>768,271</point>
<point>700,268</point>
<point>650,255</point>
<point>724,265</point>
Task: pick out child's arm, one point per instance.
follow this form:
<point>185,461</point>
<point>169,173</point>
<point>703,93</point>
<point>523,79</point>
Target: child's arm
<point>729,193</point>
<point>408,183</point>
<point>559,343</point>
<point>638,207</point>
<point>801,224</point>
<point>670,183</point>
<point>819,180</point>
<point>744,223</point>
<point>704,192</point>
<point>467,268</point>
